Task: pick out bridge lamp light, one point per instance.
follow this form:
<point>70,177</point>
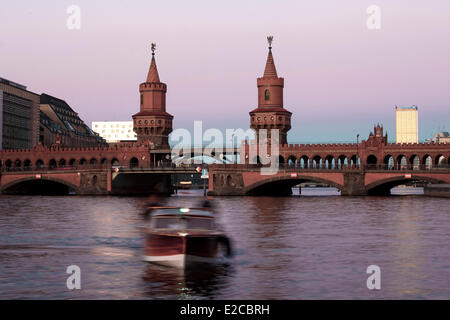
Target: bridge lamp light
<point>357,150</point>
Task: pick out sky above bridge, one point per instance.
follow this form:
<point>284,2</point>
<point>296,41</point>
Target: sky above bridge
<point>341,77</point>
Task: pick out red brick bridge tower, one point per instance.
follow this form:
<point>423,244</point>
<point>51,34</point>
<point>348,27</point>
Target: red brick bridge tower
<point>270,113</point>
<point>153,124</point>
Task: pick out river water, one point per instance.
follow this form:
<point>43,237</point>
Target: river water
<point>314,246</point>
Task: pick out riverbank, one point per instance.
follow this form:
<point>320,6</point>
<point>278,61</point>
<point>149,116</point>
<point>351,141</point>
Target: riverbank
<point>437,190</point>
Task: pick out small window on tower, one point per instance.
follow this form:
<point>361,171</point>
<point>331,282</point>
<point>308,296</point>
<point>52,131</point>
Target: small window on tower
<point>142,99</point>
<point>267,94</point>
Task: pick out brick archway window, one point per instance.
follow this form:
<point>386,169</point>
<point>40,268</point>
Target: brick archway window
<point>267,95</point>
<point>134,162</point>
<point>39,163</point>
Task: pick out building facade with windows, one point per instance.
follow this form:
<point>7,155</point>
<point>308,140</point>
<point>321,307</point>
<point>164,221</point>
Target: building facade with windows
<point>115,131</point>
<point>19,116</point>
<point>407,124</point>
<point>61,125</point>
<point>28,119</point>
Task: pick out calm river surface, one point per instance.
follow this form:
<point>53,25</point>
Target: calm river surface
<point>314,246</point>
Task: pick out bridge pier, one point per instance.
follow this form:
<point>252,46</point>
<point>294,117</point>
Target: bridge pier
<point>354,184</point>
<point>226,184</point>
<point>437,190</point>
<point>93,183</point>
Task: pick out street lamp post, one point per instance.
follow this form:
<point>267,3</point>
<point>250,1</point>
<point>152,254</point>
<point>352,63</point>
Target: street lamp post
<point>204,183</point>
<point>357,150</point>
<point>232,147</point>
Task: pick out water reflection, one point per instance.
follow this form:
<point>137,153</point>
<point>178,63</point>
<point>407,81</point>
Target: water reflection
<point>193,283</point>
<point>298,247</point>
<point>409,266</point>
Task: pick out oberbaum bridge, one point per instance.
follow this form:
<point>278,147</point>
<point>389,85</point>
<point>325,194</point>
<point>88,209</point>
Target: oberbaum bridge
<point>369,167</point>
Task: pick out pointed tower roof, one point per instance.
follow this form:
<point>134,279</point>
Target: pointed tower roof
<point>270,71</point>
<point>153,71</point>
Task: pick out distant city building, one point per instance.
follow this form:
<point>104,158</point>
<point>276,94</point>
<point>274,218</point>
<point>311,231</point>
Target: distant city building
<point>440,137</point>
<point>19,116</point>
<point>115,131</point>
<point>407,124</point>
<point>60,125</point>
<point>27,118</point>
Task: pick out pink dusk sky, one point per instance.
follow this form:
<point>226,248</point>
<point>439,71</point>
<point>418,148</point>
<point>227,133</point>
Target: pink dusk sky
<point>340,77</point>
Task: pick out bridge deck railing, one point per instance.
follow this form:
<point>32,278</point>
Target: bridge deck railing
<point>383,167</point>
<point>54,168</point>
<point>161,166</point>
<point>407,167</point>
<point>190,167</point>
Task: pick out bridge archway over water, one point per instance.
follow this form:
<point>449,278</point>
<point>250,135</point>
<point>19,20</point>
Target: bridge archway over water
<point>282,185</point>
<point>44,186</point>
<point>383,187</point>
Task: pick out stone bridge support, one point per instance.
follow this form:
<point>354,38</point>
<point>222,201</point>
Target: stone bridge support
<point>226,184</point>
<point>94,183</point>
<point>354,184</point>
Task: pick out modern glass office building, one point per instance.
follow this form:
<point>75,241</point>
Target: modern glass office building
<point>19,116</point>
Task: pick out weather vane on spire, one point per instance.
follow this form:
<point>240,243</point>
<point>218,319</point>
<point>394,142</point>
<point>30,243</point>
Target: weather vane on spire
<point>153,48</point>
<point>269,40</point>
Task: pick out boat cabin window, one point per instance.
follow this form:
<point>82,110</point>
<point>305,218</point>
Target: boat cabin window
<point>183,223</point>
<point>168,223</point>
<point>200,223</point>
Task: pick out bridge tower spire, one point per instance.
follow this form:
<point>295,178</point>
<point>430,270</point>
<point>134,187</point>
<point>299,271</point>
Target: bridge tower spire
<point>152,123</point>
<point>270,113</point>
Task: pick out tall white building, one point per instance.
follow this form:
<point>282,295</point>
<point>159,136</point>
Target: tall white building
<point>407,124</point>
<point>115,131</point>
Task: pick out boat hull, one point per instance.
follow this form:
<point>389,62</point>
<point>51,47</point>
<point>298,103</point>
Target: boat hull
<point>181,251</point>
<point>182,261</point>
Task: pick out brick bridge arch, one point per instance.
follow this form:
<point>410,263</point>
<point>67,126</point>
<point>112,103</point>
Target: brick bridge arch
<point>249,180</point>
<point>11,184</point>
<point>382,186</point>
<point>287,181</point>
